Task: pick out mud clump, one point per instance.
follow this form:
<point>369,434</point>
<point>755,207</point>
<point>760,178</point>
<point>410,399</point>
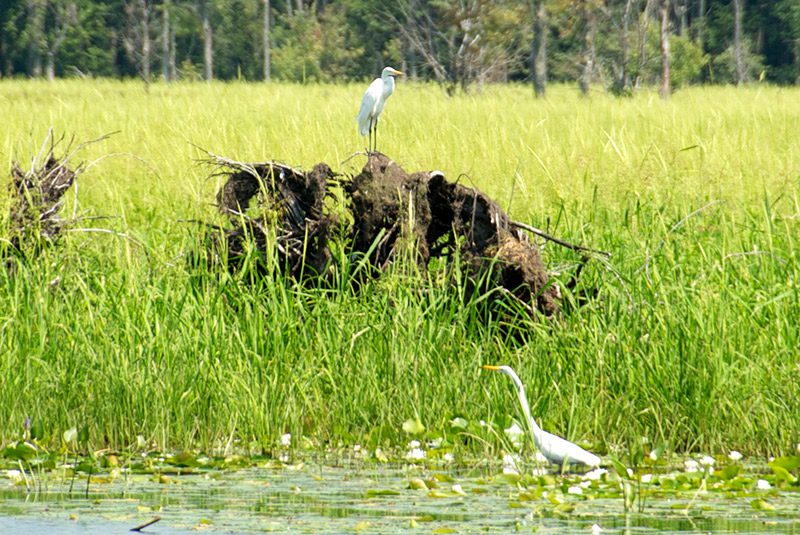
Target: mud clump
<point>390,210</point>
<point>36,199</point>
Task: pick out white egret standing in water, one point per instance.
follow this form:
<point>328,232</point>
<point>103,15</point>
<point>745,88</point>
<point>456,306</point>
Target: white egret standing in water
<point>372,105</point>
<point>556,449</point>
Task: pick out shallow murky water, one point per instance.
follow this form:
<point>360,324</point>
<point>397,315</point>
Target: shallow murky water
<point>376,498</point>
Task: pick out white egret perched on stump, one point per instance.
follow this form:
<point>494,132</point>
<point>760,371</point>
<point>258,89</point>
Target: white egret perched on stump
<point>556,449</point>
<point>372,105</point>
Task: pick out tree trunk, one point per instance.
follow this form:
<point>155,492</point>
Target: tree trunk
<point>172,68</point>
<point>145,40</point>
<point>267,61</point>
<point>50,66</point>
<point>590,52</point>
<point>682,10</point>
<point>643,27</point>
<point>737,41</point>
<point>35,28</point>
<point>664,92</point>
<point>701,23</point>
<point>208,41</point>
<point>539,49</point>
<point>622,82</point>
<point>165,42</point>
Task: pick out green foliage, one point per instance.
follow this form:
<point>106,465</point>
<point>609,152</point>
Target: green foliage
<point>686,336</point>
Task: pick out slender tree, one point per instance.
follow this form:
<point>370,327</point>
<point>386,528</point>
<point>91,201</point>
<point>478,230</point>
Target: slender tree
<point>665,58</point>
<point>62,16</point>
<point>590,51</point>
<point>738,51</point>
<point>700,23</point>
<point>145,6</point>
<point>539,47</point>
<point>208,39</point>
<point>267,63</point>
<point>165,41</point>
<point>35,36</point>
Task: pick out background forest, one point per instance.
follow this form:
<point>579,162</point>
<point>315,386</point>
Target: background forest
<point>616,44</point>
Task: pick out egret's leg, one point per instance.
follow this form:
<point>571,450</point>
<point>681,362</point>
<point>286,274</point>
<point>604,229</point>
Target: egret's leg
<point>376,136</point>
<point>371,131</point>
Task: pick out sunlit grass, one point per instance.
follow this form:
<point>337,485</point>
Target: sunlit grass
<point>691,341</point>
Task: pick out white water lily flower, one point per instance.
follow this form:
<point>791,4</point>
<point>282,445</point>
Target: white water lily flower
<point>596,529</point>
<point>482,423</point>
<point>691,465</point>
<point>415,454</point>
<point>647,478</point>
<point>14,475</point>
<point>707,461</point>
<point>413,444</point>
<point>435,443</point>
<point>357,448</point>
<point>585,484</point>
<point>286,440</point>
<point>510,464</point>
<point>595,474</point>
<point>448,457</point>
<point>735,456</point>
<point>653,457</point>
<point>763,484</point>
<point>575,490</point>
<point>458,490</point>
<point>515,434</point>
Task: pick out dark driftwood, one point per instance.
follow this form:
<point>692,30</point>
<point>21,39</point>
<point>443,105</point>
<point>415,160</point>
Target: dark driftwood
<point>36,199</point>
<point>389,208</point>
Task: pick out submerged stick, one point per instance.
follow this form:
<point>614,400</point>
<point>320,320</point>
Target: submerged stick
<point>139,529</point>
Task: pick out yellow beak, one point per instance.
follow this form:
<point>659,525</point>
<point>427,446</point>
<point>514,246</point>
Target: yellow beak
<point>493,368</point>
<point>397,73</point>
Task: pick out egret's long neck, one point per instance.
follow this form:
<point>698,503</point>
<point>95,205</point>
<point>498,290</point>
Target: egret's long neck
<point>388,85</point>
<point>535,430</point>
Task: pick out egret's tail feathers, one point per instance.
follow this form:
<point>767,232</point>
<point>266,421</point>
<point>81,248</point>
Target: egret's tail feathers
<point>363,129</point>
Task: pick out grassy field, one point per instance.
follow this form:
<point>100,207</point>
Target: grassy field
<point>692,340</point>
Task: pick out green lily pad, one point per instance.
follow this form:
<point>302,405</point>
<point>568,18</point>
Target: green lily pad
<point>371,493</point>
<point>413,426</point>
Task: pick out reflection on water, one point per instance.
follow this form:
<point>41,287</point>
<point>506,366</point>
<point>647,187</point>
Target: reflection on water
<point>314,499</point>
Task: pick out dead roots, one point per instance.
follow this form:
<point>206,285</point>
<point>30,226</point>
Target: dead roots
<point>388,212</point>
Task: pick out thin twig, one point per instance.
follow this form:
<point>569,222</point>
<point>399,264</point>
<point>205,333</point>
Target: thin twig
<point>559,241</point>
<point>139,528</point>
<point>108,231</point>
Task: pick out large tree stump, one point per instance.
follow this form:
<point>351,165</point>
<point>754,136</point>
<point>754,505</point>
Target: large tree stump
<point>388,207</point>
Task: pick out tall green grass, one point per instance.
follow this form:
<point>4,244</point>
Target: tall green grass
<point>691,339</point>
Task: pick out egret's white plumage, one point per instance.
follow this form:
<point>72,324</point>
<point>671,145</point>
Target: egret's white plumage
<point>556,449</point>
<point>373,102</point>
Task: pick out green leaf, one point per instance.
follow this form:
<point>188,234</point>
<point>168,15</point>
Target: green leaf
<point>781,474</point>
<point>21,451</point>
<point>417,484</point>
<point>37,430</point>
<point>371,493</point>
<point>458,423</point>
<point>729,472</point>
<point>790,463</point>
<point>71,435</point>
<point>413,426</point>
<point>761,505</point>
<point>622,471</point>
